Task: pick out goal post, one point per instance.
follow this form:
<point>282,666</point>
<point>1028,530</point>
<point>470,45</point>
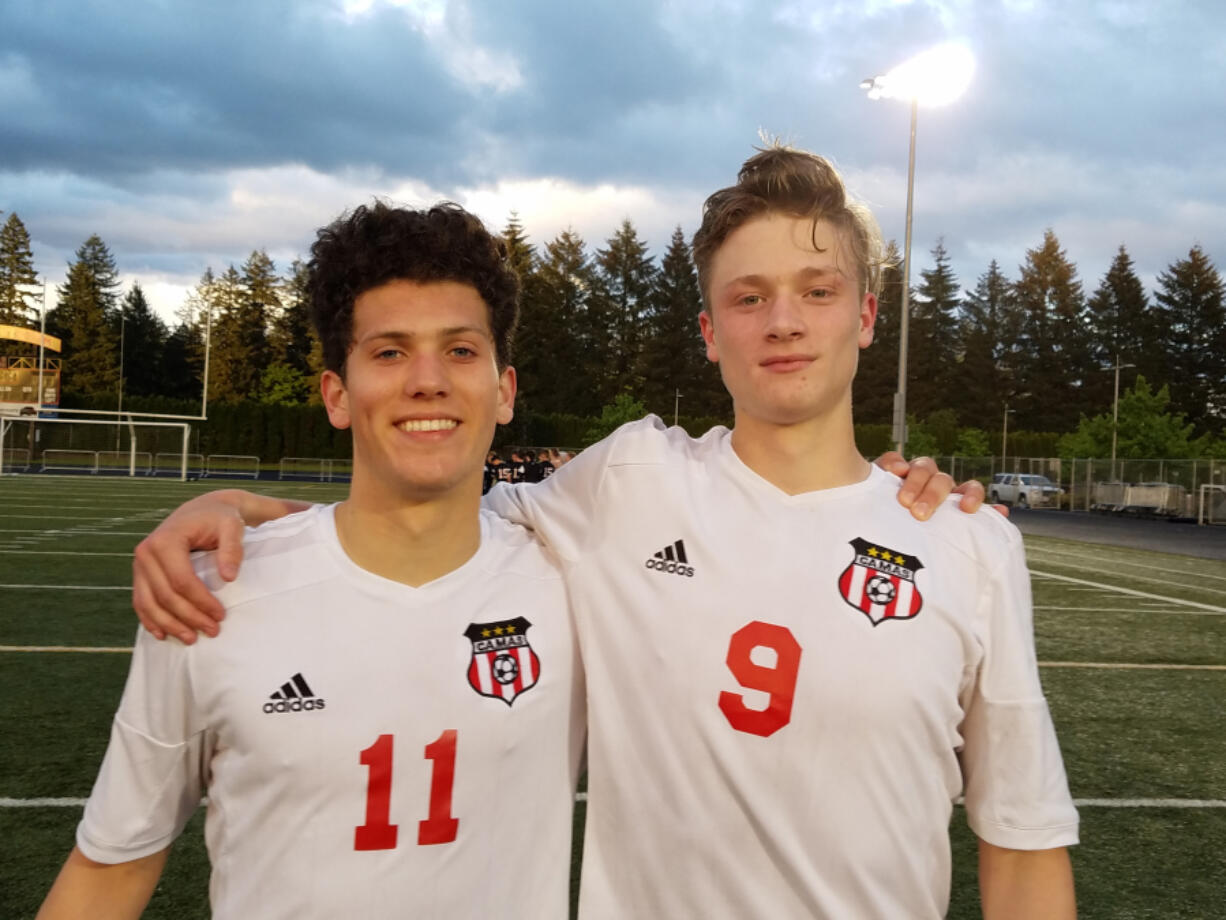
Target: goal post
<point>91,445</point>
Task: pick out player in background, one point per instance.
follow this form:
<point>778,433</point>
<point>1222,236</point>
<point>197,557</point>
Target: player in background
<point>392,725</point>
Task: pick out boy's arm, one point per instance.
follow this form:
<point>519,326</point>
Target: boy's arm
<point>170,600</point>
<point>167,595</point>
<point>101,891</point>
<point>1026,884</point>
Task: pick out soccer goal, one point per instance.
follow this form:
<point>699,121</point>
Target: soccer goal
<point>1211,509</point>
<point>92,446</point>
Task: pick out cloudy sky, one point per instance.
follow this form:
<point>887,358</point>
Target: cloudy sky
<point>187,133</point>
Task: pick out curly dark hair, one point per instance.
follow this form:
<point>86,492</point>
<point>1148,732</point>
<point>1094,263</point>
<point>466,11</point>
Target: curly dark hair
<point>370,246</point>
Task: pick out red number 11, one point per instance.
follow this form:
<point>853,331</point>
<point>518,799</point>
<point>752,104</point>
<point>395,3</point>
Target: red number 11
<point>378,833</point>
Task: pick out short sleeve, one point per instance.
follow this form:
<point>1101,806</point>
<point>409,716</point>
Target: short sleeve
<point>1016,790</point>
<point>155,768</point>
<point>559,509</point>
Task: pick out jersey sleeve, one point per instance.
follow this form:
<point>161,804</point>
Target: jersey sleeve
<point>560,509</point>
<point>1016,790</point>
<point>155,767</point>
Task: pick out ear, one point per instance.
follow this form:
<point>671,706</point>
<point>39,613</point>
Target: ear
<point>336,398</point>
<point>707,325</point>
<point>506,395</point>
<point>868,319</point>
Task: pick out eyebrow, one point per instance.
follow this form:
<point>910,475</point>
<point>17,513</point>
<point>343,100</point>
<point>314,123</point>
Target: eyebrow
<point>447,333</point>
<point>807,274</point>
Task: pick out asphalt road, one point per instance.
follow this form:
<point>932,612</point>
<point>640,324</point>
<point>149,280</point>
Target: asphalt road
<point>1207,542</point>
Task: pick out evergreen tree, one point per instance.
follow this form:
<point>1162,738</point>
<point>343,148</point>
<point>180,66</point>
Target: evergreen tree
<point>932,337</point>
<point>567,378</point>
<point>16,269</point>
<point>1056,351</point>
<point>672,356</point>
<point>289,338</point>
<point>531,357</point>
<point>1147,428</point>
<point>1193,315</point>
<point>988,333</point>
<point>85,319</point>
<point>1123,326</point>
<point>625,274</point>
<point>143,341</point>
<point>877,378</point>
<point>239,351</point>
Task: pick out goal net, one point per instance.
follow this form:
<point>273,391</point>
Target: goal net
<point>108,446</point>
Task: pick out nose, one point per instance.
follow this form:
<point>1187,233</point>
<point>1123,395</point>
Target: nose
<point>426,377</point>
<point>784,319</point>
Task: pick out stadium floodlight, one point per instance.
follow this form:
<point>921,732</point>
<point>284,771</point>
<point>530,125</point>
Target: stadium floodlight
<point>1004,439</point>
<point>934,77</point>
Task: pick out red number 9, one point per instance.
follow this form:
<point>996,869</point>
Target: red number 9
<point>779,681</point>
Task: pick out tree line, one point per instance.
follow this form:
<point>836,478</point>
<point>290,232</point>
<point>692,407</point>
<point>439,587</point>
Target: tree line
<point>615,327</point>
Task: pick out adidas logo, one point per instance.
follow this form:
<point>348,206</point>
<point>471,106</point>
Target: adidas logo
<point>672,560</point>
<point>294,696</point>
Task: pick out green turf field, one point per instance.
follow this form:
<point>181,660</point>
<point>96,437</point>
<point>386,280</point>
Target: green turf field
<point>1133,648</point>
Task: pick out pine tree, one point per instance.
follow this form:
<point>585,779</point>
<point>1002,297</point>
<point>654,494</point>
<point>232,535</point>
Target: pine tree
<point>530,355</point>
<point>1193,315</point>
<point>1056,351</point>
<point>877,378</point>
<point>289,338</point>
<point>561,326</point>
<point>16,269</point>
<point>988,332</point>
<point>625,275</point>
<point>672,356</point>
<point>84,319</point>
<point>144,338</point>
<point>239,351</point>
<point>932,337</point>
<point>1123,326</point>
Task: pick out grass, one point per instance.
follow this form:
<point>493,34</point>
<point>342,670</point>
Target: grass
<point>1126,734</point>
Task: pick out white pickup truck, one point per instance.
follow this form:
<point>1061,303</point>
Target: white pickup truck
<point>1024,490</point>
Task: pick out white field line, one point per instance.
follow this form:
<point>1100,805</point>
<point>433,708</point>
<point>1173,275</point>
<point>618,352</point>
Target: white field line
<point>88,502</point>
<point>53,552</point>
<point>63,517</point>
<point>582,797</point>
<point>1132,577</point>
<point>1130,564</point>
<point>91,649</point>
<point>67,587</point>
<point>1165,610</point>
<point>1123,666</point>
<point>79,533</point>
<point>1115,589</point>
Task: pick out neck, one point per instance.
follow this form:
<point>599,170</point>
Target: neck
<point>412,541</point>
<point>803,457</point>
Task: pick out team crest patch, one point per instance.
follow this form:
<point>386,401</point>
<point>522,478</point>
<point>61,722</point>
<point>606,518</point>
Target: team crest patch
<point>504,664</point>
<point>880,583</point>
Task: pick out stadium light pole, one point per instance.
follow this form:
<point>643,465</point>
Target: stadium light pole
<point>676,405</point>
<point>1115,410</point>
<point>1004,438</point>
<point>934,77</point>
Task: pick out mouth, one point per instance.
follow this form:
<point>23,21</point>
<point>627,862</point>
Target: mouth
<point>782,364</point>
<point>428,424</point>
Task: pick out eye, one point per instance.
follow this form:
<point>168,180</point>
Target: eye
<point>387,354</point>
<point>821,292</point>
<point>749,300</point>
<point>463,351</point>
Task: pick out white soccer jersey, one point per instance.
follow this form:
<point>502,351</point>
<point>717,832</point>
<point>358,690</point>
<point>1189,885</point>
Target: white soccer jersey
<point>369,749</point>
<point>786,694</point>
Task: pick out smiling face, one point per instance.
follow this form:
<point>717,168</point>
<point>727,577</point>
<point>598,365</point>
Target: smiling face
<point>422,390</point>
<point>787,320</point>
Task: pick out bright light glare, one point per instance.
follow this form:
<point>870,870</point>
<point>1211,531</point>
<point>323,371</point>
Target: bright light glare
<point>937,76</point>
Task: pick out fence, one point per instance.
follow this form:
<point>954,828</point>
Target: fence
<point>322,469</point>
<point>1165,487</point>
